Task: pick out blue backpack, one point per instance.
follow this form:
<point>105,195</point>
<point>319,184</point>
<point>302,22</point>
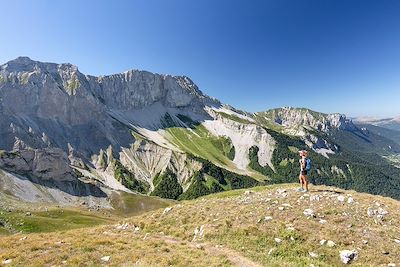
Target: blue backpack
<point>308,164</point>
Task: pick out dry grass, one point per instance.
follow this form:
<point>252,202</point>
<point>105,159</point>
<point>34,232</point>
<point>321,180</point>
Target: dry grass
<point>233,225</point>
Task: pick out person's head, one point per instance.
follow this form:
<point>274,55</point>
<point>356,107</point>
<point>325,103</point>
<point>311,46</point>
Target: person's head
<point>303,153</point>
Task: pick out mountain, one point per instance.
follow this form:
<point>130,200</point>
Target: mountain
<point>85,137</point>
<point>388,123</point>
<point>266,226</point>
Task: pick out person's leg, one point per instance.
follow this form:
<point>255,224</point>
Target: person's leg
<point>301,180</point>
<point>305,182</point>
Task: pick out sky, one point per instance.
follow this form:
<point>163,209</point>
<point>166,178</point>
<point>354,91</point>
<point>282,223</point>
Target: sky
<point>328,55</point>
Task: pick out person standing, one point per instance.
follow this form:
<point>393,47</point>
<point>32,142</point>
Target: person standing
<point>305,165</point>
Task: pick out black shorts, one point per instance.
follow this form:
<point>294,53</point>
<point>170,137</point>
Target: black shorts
<point>303,172</point>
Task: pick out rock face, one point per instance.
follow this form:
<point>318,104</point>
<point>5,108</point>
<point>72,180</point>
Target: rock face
<point>118,130</point>
<point>46,164</point>
<point>53,116</point>
<point>293,117</point>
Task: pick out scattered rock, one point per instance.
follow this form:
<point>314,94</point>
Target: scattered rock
<point>347,256</point>
<point>105,258</point>
<point>370,212</point>
<point>365,242</point>
<point>330,243</point>
<point>391,265</point>
<point>281,208</point>
<point>267,218</point>
<point>350,200</point>
<point>167,209</point>
<point>322,221</point>
<point>248,192</point>
<point>271,251</point>
<point>313,254</point>
<point>22,238</point>
<point>278,240</point>
<point>309,213</point>
<point>314,198</point>
<point>198,232</point>
<point>28,214</point>
<point>291,228</point>
<point>280,191</point>
<point>341,198</point>
<point>322,242</point>
<point>8,261</point>
<point>397,241</point>
<point>123,226</point>
<point>381,211</point>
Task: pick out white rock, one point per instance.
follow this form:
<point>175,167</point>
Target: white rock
<point>350,200</point>
<point>308,212</point>
<point>8,261</point>
<point>167,209</point>
<point>278,240</point>
<point>341,198</point>
<point>271,251</point>
<point>382,211</point>
<point>322,242</point>
<point>371,211</point>
<point>313,254</point>
<point>248,192</point>
<point>281,191</point>
<point>391,265</point>
<point>281,208</point>
<point>365,241</point>
<point>314,198</point>
<point>322,221</point>
<point>267,218</point>
<point>22,238</point>
<point>397,241</point>
<point>330,243</point>
<point>106,258</point>
<point>347,256</point>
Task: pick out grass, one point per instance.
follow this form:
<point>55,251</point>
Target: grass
<point>54,219</point>
<point>200,142</point>
<point>234,118</point>
<point>234,227</point>
<point>126,204</point>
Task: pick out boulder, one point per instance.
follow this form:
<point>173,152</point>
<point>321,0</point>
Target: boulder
<point>347,256</point>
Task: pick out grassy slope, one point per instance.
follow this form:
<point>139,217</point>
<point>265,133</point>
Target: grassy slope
<point>49,218</point>
<point>52,220</point>
<point>200,142</point>
<point>237,230</point>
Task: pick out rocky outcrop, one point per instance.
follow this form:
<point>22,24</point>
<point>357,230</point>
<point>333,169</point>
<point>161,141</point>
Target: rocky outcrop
<point>299,117</point>
<point>243,137</point>
<point>46,164</point>
<point>146,160</point>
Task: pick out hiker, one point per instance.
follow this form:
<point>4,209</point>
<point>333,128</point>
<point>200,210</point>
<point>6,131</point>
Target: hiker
<point>305,166</point>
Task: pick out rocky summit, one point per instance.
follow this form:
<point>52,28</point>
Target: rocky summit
<point>140,132</point>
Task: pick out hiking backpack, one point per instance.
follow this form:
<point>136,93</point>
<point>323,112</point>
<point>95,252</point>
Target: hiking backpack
<point>308,164</point>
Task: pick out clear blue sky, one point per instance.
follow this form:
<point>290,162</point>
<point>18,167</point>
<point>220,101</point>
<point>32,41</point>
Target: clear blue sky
<point>328,55</point>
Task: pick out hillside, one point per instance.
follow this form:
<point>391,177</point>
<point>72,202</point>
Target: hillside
<point>67,137</point>
<point>265,226</point>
